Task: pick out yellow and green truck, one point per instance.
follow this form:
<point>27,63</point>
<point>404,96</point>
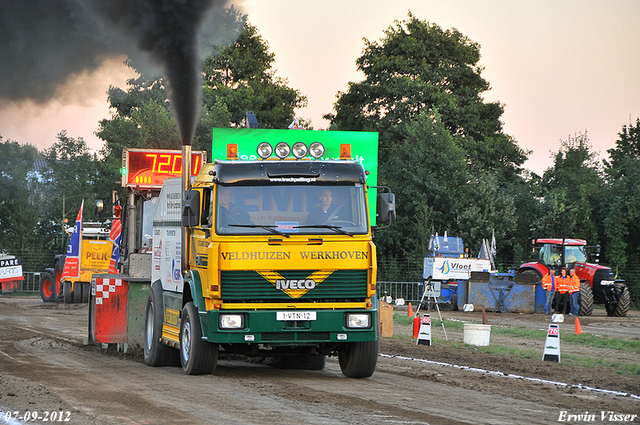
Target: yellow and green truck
<point>268,252</point>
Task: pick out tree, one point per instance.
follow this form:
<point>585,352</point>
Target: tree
<point>69,179</point>
<point>421,75</point>
<point>418,66</point>
<point>572,191</point>
<point>622,216</point>
<point>19,201</point>
<point>237,77</point>
<point>240,75</point>
<point>428,173</point>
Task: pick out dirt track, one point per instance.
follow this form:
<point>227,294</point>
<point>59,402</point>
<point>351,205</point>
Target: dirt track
<point>44,367</point>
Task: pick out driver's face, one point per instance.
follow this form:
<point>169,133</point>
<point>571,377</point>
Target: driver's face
<point>326,198</point>
<point>225,198</point>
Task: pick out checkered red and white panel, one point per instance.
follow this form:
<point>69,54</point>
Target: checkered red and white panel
<point>105,287</point>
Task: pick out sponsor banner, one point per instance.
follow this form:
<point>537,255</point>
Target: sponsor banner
<point>333,255</point>
<point>10,269</point>
<point>72,262</point>
<point>444,268</point>
<point>96,255</point>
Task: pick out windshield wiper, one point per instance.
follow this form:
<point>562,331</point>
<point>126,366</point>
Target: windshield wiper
<point>268,228</point>
<point>326,226</point>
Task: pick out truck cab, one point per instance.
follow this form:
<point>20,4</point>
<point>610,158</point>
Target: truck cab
<point>280,263</point>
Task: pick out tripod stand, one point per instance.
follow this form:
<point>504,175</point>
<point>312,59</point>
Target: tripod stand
<point>430,293</point>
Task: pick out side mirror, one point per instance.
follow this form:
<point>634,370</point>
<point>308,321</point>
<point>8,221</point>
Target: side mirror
<point>190,208</point>
<point>386,207</point>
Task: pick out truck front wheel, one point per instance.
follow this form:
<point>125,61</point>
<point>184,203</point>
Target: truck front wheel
<point>196,355</point>
<point>155,353</point>
<point>358,359</point>
<point>624,300</point>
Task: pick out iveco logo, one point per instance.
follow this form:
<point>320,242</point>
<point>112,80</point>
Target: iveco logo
<point>295,284</point>
<point>295,288</point>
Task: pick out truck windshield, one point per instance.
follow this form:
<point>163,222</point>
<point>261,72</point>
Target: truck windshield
<point>290,209</point>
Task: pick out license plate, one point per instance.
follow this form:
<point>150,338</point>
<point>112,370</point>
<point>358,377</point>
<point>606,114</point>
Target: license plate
<point>607,282</point>
<point>295,316</point>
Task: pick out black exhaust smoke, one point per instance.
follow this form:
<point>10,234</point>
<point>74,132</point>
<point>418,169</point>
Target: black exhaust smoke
<point>44,42</point>
<point>167,30</point>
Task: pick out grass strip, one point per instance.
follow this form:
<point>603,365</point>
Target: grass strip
<point>585,339</point>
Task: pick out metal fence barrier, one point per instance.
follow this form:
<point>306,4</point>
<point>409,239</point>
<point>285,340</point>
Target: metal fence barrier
<point>407,290</point>
<point>31,282</point>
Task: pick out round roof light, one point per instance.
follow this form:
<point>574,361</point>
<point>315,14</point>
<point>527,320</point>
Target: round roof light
<point>264,150</point>
<point>316,150</point>
<point>299,150</point>
<point>282,150</point>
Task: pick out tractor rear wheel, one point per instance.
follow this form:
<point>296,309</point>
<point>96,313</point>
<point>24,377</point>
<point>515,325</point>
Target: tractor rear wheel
<point>47,287</point>
<point>585,299</point>
<point>624,300</point>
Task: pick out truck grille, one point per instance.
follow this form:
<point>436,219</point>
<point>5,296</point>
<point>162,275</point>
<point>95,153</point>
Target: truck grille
<point>250,286</point>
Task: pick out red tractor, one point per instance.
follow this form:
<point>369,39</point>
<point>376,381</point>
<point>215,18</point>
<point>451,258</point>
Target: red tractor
<point>597,283</point>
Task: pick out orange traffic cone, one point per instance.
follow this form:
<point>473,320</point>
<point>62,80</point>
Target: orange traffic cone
<point>410,312</point>
<point>578,327</point>
<point>416,326</point>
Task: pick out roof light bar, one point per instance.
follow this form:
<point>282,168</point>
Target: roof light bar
<point>299,150</point>
<point>264,150</point>
<point>316,150</point>
<point>282,150</point>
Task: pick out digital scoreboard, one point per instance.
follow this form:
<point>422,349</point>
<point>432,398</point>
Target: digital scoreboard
<point>149,168</point>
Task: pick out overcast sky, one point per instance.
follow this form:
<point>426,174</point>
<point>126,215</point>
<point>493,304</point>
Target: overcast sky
<point>559,67</point>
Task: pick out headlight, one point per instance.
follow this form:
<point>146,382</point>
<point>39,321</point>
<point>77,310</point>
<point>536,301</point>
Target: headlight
<point>358,320</point>
<point>299,150</point>
<point>231,321</point>
<point>264,150</point>
<point>282,150</point>
<point>316,150</point>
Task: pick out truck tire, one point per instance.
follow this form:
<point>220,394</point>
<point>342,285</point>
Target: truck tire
<point>67,294</point>
<point>47,291</point>
<point>624,300</point>
<point>197,356</point>
<point>58,284</point>
<point>585,299</point>
<point>86,292</point>
<point>358,359</point>
<point>77,292</point>
<point>155,353</point>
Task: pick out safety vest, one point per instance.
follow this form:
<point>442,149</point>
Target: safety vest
<point>564,284</point>
<point>575,284</point>
<point>549,282</point>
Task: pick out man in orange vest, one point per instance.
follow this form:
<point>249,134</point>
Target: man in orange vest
<point>549,286</point>
<point>574,292</point>
<point>562,295</point>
